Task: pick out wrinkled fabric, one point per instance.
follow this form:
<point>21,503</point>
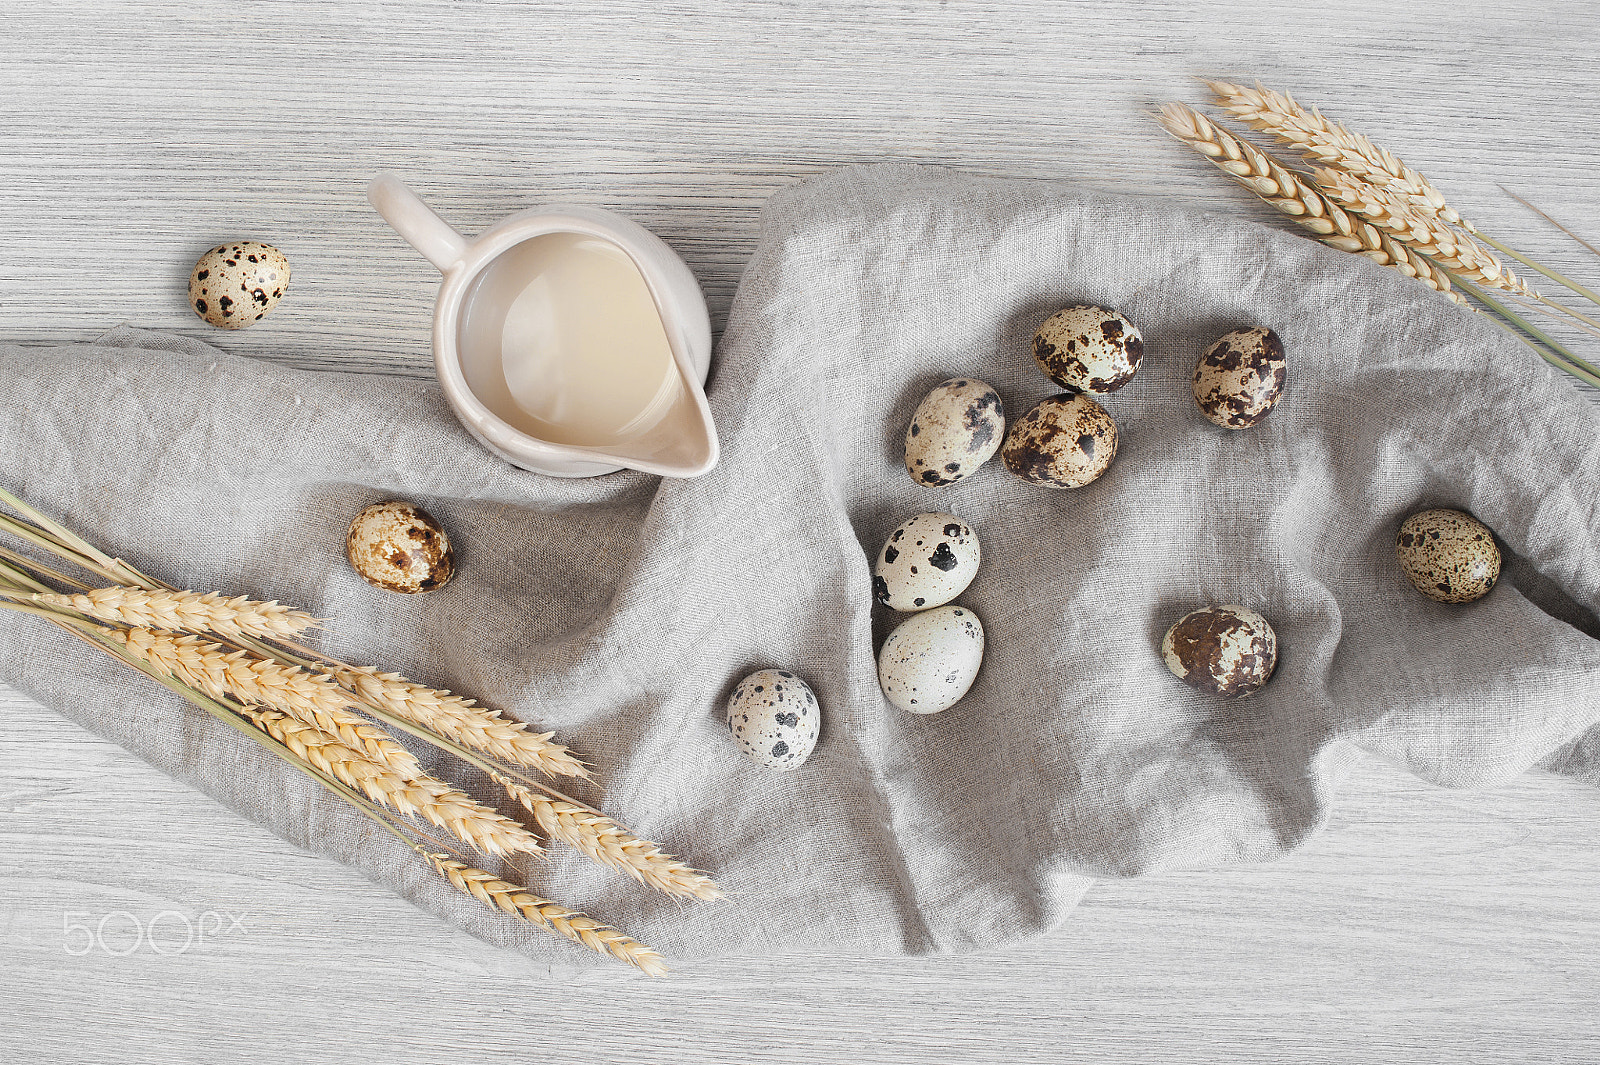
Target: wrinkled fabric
<point>620,611</point>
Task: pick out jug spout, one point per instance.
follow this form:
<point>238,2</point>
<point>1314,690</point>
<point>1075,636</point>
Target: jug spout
<point>682,444</point>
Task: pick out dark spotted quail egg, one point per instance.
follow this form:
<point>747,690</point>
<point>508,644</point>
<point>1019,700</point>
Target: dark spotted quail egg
<point>1240,378</point>
<point>929,661</point>
<point>1228,650</point>
<point>235,285</point>
<point>1088,349</point>
<point>397,546</point>
<point>926,562</point>
<point>1450,556</point>
<point>1065,442</point>
<point>775,719</point>
<point>956,428</point>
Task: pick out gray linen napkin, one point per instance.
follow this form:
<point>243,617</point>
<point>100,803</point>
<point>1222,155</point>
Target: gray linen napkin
<point>620,611</point>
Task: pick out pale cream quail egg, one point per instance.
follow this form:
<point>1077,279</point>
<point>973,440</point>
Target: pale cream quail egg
<point>1239,379</point>
<point>399,547</point>
<point>1448,555</point>
<point>775,718</point>
<point>928,561</point>
<point>956,428</point>
<point>236,284</point>
<point>1065,442</point>
<point>1088,349</point>
<point>929,661</point>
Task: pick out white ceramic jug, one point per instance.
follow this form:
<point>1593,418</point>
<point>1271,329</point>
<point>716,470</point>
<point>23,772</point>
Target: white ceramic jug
<point>672,435</point>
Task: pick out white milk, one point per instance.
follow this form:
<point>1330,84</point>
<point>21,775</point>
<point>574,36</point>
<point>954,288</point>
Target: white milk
<point>560,338</point>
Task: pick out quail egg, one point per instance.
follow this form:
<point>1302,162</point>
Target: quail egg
<point>235,285</point>
<point>399,547</point>
<point>1065,442</point>
<point>1240,378</point>
<point>956,428</point>
<point>775,718</point>
<point>1229,650</point>
<point>1088,349</point>
<point>930,660</point>
<point>1449,555</point>
<point>928,561</point>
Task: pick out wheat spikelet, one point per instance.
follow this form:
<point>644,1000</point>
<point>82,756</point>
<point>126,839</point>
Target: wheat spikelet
<point>184,612</point>
<point>307,697</point>
<point>461,720</point>
<point>420,795</point>
<point>1286,192</point>
<point>606,842</point>
<point>1456,252</point>
<point>1333,145</point>
<point>526,906</point>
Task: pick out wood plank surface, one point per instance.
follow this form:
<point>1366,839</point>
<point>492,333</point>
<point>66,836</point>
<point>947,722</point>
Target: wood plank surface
<point>1420,925</point>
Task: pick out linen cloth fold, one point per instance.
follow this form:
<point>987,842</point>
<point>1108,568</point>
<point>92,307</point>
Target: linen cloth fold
<point>620,611</point>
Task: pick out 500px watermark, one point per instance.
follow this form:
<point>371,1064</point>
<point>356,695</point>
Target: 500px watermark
<point>121,932</point>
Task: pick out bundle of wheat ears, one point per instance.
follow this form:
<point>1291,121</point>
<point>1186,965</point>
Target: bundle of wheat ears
<point>1357,197</point>
<point>238,660</point>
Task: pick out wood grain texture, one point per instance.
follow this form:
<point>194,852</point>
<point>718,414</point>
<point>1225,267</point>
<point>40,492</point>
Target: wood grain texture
<point>1421,925</point>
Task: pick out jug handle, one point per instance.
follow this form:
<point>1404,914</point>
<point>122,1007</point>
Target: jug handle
<point>415,221</point>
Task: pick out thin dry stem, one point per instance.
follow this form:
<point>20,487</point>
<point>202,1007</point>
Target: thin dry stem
<point>606,842</point>
<point>1286,192</point>
<point>460,719</point>
<point>1456,252</point>
<point>419,795</point>
<point>308,697</point>
<point>1332,145</point>
<point>185,612</point>
<point>524,905</point>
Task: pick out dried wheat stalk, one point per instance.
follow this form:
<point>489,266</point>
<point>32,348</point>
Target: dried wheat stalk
<point>307,697</point>
<point>520,903</point>
<point>184,612</point>
<point>419,795</point>
<point>1333,145</point>
<point>1456,252</point>
<point>606,842</point>
<point>460,719</point>
<point>1286,192</point>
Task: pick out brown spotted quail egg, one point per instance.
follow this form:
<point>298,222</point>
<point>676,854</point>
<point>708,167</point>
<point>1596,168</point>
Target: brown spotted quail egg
<point>928,561</point>
<point>1240,378</point>
<point>1229,650</point>
<point>236,284</point>
<point>1065,442</point>
<point>931,659</point>
<point>1449,555</point>
<point>1088,349</point>
<point>774,717</point>
<point>956,428</point>
<point>399,547</point>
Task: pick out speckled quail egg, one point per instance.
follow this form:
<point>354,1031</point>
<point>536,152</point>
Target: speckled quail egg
<point>1449,555</point>
<point>928,561</point>
<point>1240,378</point>
<point>956,428</point>
<point>1229,650</point>
<point>399,547</point>
<point>930,660</point>
<point>1088,349</point>
<point>1065,442</point>
<point>236,284</point>
<point>775,718</point>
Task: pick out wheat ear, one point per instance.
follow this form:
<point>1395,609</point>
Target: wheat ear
<point>460,719</point>
<point>606,842</point>
<point>520,903</point>
<point>1286,192</point>
<point>185,612</point>
<point>419,795</point>
<point>1456,252</point>
<point>307,697</point>
<point>1333,145</point>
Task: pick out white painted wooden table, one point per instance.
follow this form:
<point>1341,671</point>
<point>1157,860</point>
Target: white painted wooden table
<point>1421,925</point>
